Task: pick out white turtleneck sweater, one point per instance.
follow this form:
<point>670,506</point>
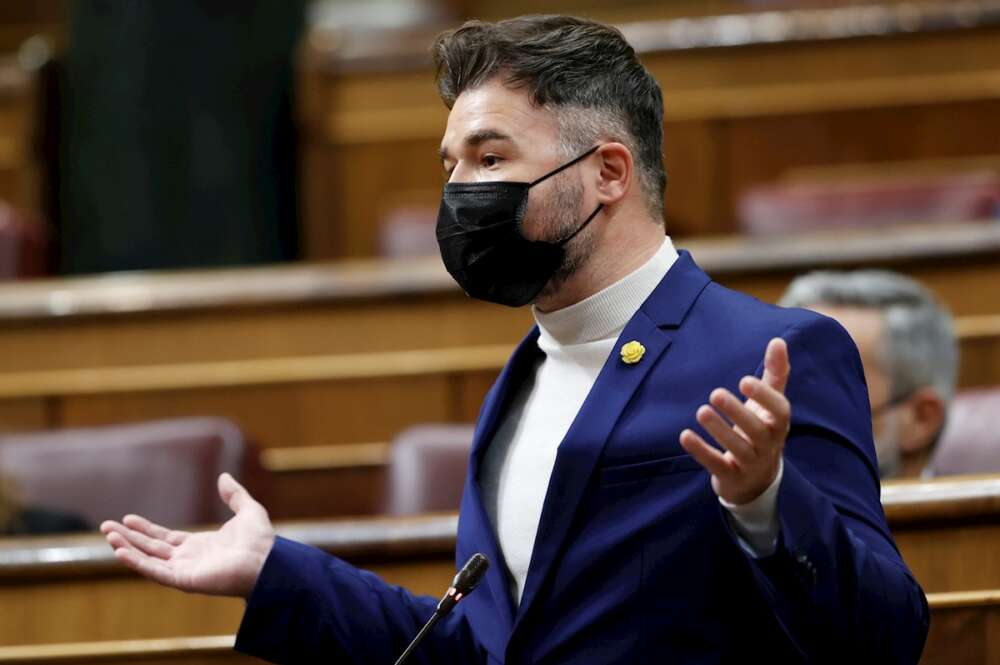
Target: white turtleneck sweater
<point>576,341</point>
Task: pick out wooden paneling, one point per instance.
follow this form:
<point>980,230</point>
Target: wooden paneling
<point>209,650</point>
<point>965,630</point>
<point>322,400</point>
<point>377,306</point>
<point>19,173</point>
<point>23,19</point>
<point>30,413</point>
<point>82,594</point>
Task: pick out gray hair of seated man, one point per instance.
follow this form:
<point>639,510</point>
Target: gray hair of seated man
<point>918,339</point>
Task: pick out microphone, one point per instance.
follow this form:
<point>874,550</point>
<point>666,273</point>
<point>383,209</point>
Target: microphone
<point>465,581</point>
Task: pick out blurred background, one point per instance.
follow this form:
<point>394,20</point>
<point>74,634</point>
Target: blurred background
<point>217,246</point>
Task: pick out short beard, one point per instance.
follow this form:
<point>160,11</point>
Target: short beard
<point>559,215</point>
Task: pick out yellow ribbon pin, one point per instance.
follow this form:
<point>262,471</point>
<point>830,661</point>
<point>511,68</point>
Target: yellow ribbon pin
<point>632,352</point>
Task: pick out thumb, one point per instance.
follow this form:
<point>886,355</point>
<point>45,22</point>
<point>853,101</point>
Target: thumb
<point>776,364</point>
<point>233,494</point>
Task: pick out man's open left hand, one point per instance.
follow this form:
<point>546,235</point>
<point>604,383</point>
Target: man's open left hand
<point>752,433</point>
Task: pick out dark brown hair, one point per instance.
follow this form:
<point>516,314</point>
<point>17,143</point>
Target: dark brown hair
<point>566,63</point>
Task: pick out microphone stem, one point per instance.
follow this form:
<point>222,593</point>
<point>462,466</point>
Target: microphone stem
<point>420,636</point>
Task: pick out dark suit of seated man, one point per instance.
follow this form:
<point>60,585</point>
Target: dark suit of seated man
<point>665,470</point>
<point>21,520</point>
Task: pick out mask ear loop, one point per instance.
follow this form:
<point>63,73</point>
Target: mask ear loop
<point>564,166</point>
<point>582,226</point>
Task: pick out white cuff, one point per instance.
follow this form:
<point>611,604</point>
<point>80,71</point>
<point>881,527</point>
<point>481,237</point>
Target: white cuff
<point>756,523</point>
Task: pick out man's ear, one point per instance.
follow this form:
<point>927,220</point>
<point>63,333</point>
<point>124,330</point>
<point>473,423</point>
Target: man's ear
<point>924,420</point>
<point>614,177</point>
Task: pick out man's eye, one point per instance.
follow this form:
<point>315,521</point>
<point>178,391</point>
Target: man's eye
<point>490,161</point>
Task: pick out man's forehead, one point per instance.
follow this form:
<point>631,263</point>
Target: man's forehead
<point>498,109</point>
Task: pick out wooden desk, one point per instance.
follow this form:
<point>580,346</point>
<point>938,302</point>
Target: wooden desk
<point>748,98</point>
<point>56,590</point>
<point>355,307</point>
<point>948,530</point>
<point>965,628</point>
<point>72,590</point>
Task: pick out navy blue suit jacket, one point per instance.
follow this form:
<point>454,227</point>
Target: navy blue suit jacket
<point>635,560</point>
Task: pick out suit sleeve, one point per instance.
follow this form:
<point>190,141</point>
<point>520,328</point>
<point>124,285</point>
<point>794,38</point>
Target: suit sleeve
<point>311,607</point>
<point>836,582</point>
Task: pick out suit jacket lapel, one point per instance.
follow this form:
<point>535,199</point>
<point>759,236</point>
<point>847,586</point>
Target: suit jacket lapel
<point>581,449</point>
<point>476,532</point>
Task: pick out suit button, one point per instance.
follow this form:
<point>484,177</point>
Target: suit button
<point>808,575</point>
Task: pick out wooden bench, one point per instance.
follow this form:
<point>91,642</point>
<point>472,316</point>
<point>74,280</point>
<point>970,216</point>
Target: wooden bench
<point>71,589</point>
<point>324,422</point>
<point>207,650</point>
<point>746,102</point>
<point>965,630</point>
<point>57,590</point>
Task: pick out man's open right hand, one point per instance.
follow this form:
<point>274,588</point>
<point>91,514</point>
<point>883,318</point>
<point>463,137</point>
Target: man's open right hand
<point>225,562</point>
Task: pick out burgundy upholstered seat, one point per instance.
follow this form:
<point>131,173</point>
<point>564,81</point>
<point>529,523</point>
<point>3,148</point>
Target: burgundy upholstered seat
<point>165,470</point>
<point>427,469</point>
<point>24,244</point>
<point>970,442</point>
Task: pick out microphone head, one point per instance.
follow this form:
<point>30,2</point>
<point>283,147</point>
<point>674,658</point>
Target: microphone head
<point>471,574</point>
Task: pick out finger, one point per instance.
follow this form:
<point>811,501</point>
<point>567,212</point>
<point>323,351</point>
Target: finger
<point>117,541</point>
<point>108,525</point>
<point>773,401</point>
<point>709,457</point>
<point>725,435</point>
<point>146,566</point>
<point>734,409</point>
<point>144,543</point>
<point>233,494</point>
<point>776,364</point>
<point>153,530</point>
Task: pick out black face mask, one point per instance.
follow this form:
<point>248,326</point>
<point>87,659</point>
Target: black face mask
<point>478,231</point>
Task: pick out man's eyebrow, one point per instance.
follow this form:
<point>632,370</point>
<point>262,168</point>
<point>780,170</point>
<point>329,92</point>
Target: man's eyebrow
<point>478,137</point>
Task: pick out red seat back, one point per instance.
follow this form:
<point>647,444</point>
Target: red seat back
<point>970,442</point>
<point>24,244</point>
<point>427,469</point>
<point>165,470</point>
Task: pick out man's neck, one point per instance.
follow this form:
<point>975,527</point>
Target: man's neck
<point>615,256</point>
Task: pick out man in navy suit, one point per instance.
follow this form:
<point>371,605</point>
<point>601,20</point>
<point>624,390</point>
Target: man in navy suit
<point>635,507</point>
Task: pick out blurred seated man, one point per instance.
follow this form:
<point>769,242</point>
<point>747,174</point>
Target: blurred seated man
<point>20,520</point>
<point>909,354</point>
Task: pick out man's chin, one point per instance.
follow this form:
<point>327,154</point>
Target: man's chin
<point>551,295</point>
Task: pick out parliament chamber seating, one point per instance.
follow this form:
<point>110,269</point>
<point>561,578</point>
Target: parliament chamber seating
<point>970,442</point>
<point>426,469</point>
<point>164,470</point>
<point>837,86</point>
<point>869,202</point>
<point>322,365</point>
